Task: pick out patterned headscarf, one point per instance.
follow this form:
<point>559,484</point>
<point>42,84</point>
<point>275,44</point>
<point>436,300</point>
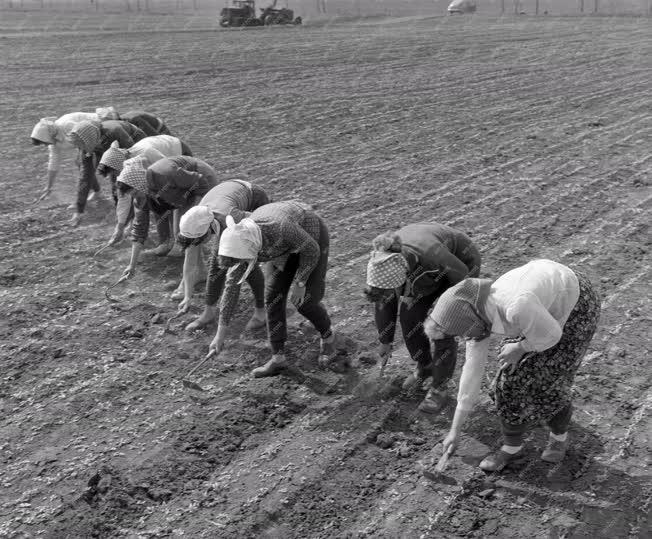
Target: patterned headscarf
<point>242,241</point>
<point>115,156</point>
<point>134,173</point>
<point>196,222</point>
<point>86,135</point>
<point>386,269</point>
<point>460,309</point>
<point>45,130</point>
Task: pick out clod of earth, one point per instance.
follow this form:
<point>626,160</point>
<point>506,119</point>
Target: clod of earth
<point>385,440</point>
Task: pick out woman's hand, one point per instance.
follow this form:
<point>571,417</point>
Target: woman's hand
<point>450,443</point>
<point>510,355</point>
<point>129,271</point>
<point>45,193</point>
<point>184,306</point>
<point>118,234</point>
<point>218,342</point>
<point>298,294</point>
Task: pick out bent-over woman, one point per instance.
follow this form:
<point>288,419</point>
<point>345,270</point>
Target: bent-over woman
<point>53,132</point>
<point>549,314</point>
<point>407,271</point>
<point>206,221</point>
<point>169,184</point>
<point>294,241</point>
<point>112,162</point>
<point>93,139</point>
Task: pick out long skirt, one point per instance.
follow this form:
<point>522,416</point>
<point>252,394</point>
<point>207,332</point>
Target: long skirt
<point>541,384</point>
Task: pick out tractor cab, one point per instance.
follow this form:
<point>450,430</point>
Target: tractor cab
<point>239,13</point>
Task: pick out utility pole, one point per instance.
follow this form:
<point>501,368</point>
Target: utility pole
<point>581,6</point>
<point>502,7</point>
<point>595,7</point>
<point>536,7</point>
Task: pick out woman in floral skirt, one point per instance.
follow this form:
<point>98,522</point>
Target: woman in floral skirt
<point>549,314</point>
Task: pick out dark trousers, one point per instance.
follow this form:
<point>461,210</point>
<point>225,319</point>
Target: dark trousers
<point>217,277</point>
<point>558,424</point>
<point>277,287</point>
<point>87,180</point>
<point>185,149</point>
<point>412,313</point>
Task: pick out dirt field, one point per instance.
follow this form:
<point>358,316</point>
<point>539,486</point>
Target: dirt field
<point>533,135</point>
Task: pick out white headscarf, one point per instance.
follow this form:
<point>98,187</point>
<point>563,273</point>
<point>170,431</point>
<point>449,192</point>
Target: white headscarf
<point>45,130</point>
<point>196,222</point>
<point>107,113</point>
<point>243,241</point>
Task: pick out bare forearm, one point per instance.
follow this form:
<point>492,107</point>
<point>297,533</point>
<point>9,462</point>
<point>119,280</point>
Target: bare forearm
<point>136,248</point>
<point>52,175</point>
<point>459,419</point>
<point>190,265</point>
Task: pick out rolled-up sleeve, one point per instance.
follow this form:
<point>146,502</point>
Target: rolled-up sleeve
<point>385,318</point>
<point>472,373</point>
<point>538,327</point>
<point>231,292</point>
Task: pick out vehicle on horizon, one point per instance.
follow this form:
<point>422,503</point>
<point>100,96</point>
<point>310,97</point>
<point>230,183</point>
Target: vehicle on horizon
<point>243,13</point>
<point>459,7</point>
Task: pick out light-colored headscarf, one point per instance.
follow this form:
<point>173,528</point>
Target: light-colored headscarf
<point>45,130</point>
<point>386,269</point>
<point>107,113</point>
<point>86,135</point>
<point>115,156</point>
<point>134,173</point>
<point>460,310</point>
<point>197,221</point>
<point>243,241</point>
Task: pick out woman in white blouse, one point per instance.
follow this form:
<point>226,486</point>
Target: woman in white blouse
<point>549,314</point>
<point>53,132</point>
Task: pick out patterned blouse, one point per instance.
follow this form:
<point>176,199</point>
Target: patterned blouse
<point>287,228</point>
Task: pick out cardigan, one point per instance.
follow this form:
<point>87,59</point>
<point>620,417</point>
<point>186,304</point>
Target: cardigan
<point>177,180</point>
<point>171,184</point>
<point>533,302</point>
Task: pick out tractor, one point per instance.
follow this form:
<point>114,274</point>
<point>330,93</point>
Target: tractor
<point>243,13</point>
<point>460,7</point>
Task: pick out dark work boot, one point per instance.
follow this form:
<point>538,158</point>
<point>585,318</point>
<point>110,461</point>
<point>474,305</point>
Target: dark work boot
<point>273,367</point>
<point>435,400</point>
<point>416,378</point>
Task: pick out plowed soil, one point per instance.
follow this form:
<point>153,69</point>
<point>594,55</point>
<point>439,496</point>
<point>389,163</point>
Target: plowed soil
<point>533,135</point>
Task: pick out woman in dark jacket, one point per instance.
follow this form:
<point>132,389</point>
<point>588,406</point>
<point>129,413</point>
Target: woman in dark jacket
<point>408,270</point>
<point>169,184</point>
<point>206,221</point>
<point>93,139</point>
<point>146,122</point>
